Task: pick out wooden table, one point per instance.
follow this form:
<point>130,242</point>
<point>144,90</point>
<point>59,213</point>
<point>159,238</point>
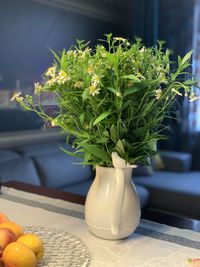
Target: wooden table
<point>172,220</point>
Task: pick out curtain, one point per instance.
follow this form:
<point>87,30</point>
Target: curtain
<point>191,110</point>
<point>194,107</point>
<point>143,21</point>
<point>193,124</point>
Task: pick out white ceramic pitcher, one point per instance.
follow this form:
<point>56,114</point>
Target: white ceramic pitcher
<point>112,209</point>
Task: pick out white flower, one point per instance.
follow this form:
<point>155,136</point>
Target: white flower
<point>78,84</point>
<point>62,77</point>
<point>95,79</point>
<point>176,91</point>
<point>93,90</point>
<point>90,69</point>
<point>119,39</point>
<point>82,54</point>
<point>158,94</point>
<point>70,53</point>
<point>162,77</point>
<point>193,98</point>
<point>142,50</point>
<point>38,88</point>
<point>118,94</point>
<point>51,72</point>
<point>16,96</point>
<point>140,76</point>
<point>54,123</point>
<point>51,81</point>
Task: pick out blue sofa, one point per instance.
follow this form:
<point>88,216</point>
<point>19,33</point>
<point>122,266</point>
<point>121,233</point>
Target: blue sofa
<point>36,158</point>
<point>176,187</point>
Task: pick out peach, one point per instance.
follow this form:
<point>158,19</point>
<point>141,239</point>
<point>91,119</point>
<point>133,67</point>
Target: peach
<point>3,217</point>
<point>194,262</point>
<point>6,237</point>
<point>17,254</point>
<point>34,242</point>
<point>16,228</point>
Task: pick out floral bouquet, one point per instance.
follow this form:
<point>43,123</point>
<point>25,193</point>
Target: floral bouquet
<point>113,97</point>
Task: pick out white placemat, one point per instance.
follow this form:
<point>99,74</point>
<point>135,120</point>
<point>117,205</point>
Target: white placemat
<point>152,245</point>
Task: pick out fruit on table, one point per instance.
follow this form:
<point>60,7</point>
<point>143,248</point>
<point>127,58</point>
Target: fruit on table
<point>17,254</point>
<point>18,249</point>
<point>3,218</point>
<point>16,228</point>
<point>6,236</point>
<point>34,242</point>
<point>195,262</point>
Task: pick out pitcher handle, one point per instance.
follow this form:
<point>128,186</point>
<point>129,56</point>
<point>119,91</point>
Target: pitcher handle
<point>118,201</point>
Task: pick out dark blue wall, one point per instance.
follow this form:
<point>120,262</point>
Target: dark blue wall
<point>28,30</point>
<point>176,24</point>
<point>143,20</point>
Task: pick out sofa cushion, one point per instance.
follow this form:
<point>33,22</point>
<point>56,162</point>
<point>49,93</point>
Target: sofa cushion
<point>143,194</point>
<point>7,155</point>
<point>157,162</point>
<point>22,170</point>
<point>177,192</point>
<point>176,161</point>
<point>58,169</point>
<point>39,149</point>
<point>143,171</point>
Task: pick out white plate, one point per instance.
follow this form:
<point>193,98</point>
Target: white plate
<point>62,249</point>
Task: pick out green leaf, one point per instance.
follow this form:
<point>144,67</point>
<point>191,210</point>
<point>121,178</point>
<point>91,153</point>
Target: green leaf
<point>81,118</point>
<point>127,103</point>
<point>113,133</point>
<point>85,95</point>
<point>106,133</point>
<point>147,108</point>
<point>102,117</point>
<point>190,82</point>
<point>73,154</point>
<point>86,157</point>
<point>174,75</point>
<point>101,140</point>
<point>186,57</point>
<point>111,57</point>
<point>139,131</point>
<point>131,90</point>
<point>63,62</point>
<point>120,146</point>
<point>102,101</point>
<point>55,55</point>
<point>131,77</point>
<point>97,151</point>
<point>112,90</point>
<point>179,60</point>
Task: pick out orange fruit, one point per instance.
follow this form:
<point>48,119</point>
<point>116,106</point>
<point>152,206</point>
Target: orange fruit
<point>3,218</point>
<point>34,242</point>
<point>16,228</point>
<point>6,236</point>
<point>18,255</point>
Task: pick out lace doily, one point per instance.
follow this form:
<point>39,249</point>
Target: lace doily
<point>61,248</point>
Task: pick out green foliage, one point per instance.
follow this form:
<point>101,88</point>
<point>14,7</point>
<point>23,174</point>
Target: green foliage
<point>113,98</point>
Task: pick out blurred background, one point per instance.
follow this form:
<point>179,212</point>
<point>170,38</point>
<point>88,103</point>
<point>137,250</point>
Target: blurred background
<point>29,28</point>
